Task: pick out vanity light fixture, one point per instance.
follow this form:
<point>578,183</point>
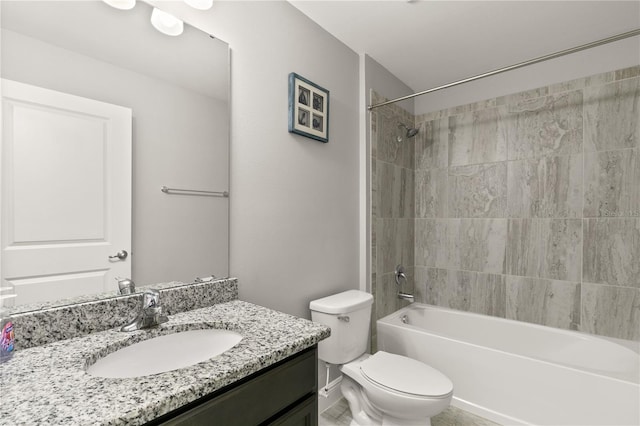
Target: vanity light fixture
<point>121,4</point>
<point>166,23</point>
<point>200,4</point>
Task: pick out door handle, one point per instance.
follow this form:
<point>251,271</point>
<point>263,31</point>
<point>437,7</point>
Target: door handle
<point>121,255</point>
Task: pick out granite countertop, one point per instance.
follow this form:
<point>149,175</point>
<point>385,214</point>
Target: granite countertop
<point>48,385</point>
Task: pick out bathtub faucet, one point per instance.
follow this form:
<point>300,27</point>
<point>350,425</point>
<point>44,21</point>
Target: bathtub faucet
<point>406,296</point>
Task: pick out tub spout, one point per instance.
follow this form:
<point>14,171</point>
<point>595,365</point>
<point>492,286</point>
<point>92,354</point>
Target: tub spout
<point>406,296</point>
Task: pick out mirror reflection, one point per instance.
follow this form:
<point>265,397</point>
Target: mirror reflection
<point>100,111</point>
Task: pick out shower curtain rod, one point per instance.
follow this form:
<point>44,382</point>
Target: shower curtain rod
<point>622,36</point>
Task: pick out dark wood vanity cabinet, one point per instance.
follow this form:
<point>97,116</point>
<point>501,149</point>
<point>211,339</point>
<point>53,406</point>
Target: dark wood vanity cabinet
<point>284,394</point>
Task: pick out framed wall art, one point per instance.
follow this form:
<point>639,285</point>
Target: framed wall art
<point>308,108</point>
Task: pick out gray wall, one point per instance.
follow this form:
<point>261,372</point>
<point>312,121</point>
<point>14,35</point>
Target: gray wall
<point>191,155</point>
<point>294,201</point>
<point>527,206</point>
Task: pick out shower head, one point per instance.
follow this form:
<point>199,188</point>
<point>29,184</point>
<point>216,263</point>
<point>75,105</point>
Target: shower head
<point>409,132</point>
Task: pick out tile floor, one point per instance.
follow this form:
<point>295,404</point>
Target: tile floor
<point>339,415</point>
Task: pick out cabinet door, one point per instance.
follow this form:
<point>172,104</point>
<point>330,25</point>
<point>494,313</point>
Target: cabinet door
<point>262,399</point>
<point>303,414</point>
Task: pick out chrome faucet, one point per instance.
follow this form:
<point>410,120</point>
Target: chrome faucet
<point>401,276</point>
<point>406,296</point>
<point>151,314</point>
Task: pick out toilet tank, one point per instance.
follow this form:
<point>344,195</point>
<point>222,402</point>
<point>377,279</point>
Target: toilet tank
<point>348,314</point>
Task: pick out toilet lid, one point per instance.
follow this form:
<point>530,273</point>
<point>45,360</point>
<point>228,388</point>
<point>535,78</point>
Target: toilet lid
<point>405,375</point>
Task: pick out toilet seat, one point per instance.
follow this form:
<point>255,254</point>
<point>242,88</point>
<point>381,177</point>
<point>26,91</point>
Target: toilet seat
<point>405,375</point>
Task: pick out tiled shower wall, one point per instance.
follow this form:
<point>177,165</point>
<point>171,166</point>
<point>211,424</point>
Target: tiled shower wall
<point>526,206</point>
<point>392,207</point>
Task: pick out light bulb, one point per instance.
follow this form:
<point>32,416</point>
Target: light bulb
<point>200,4</point>
<point>166,23</point>
<point>121,4</point>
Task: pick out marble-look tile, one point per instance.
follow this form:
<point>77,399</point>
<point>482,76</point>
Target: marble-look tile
<point>371,288</point>
<point>432,243</point>
<point>469,291</point>
<point>373,135</point>
<point>420,280</point>
<point>581,83</point>
<point>395,189</point>
<point>545,248</point>
<point>547,302</point>
<point>627,73</point>
<point>374,229</point>
<point>612,115</point>
<point>523,247</point>
<point>431,116</point>
<point>474,139</point>
<point>561,249</point>
<point>611,251</point>
<point>612,183</point>
<point>373,343</point>
<point>545,187</point>
<point>386,300</point>
<point>478,244</point>
<point>478,190</point>
<point>527,95</point>
<point>375,192</point>
<point>394,244</point>
<point>431,286</point>
<point>546,126</point>
<point>390,148</point>
<point>431,193</point>
<point>432,145</point>
<point>611,311</point>
<point>472,107</point>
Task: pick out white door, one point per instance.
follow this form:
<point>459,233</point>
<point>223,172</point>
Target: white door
<point>66,193</point>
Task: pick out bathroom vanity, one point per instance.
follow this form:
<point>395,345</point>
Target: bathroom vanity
<point>283,394</point>
<point>269,377</point>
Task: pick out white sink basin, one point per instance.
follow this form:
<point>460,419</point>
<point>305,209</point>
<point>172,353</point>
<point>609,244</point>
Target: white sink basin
<point>165,353</point>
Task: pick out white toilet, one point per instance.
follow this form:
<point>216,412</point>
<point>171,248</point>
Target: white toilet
<point>383,388</point>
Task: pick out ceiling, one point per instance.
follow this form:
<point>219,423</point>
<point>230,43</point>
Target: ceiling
<point>430,43</point>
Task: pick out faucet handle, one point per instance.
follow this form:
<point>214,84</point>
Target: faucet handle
<point>150,298</point>
<point>400,274</point>
<point>126,285</point>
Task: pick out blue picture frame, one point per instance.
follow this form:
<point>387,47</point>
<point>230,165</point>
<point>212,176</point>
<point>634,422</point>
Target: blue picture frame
<point>308,109</point>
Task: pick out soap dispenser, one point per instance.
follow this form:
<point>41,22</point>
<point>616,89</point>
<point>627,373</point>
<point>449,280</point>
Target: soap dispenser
<point>7,332</point>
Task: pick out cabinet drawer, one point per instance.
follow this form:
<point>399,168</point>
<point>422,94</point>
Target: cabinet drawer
<point>256,399</point>
<point>304,413</point>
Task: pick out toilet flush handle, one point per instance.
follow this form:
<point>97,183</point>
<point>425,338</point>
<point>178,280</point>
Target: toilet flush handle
<point>344,318</point>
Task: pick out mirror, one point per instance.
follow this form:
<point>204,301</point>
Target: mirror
<point>177,89</point>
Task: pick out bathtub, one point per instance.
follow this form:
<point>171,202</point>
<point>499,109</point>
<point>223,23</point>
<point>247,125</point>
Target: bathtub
<point>518,373</point>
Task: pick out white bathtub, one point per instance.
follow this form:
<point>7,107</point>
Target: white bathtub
<point>518,373</point>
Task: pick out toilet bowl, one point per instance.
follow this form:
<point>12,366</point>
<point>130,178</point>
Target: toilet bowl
<point>383,388</point>
<point>388,389</point>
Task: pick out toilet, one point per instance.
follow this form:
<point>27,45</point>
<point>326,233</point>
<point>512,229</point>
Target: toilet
<point>383,388</point>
